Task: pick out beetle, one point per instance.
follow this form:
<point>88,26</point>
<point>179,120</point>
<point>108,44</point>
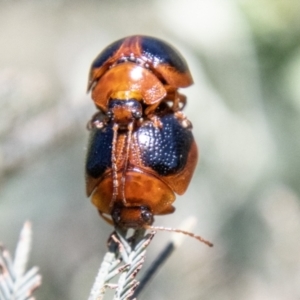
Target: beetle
<point>132,177</point>
<point>139,67</point>
<point>141,151</point>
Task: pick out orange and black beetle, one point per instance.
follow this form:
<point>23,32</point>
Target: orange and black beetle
<point>141,150</point>
<point>140,67</point>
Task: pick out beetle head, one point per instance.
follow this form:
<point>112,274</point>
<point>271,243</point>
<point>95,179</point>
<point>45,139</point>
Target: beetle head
<point>131,217</point>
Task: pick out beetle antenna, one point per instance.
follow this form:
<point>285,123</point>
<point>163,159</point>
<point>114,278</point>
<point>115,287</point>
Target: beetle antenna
<point>197,237</point>
<point>114,164</point>
<point>128,145</point>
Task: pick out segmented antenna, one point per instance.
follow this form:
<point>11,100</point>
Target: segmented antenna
<point>197,237</point>
<point>114,164</point>
<point>128,144</point>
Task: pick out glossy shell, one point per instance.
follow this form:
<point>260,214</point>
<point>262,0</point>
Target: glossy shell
<point>161,163</point>
<point>129,78</point>
<point>148,52</point>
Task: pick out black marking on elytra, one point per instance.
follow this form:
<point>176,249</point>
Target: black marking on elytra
<point>161,52</point>
<point>99,151</point>
<point>165,149</point>
<point>108,52</point>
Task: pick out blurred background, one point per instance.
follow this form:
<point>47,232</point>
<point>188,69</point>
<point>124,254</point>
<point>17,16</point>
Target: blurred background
<point>245,108</point>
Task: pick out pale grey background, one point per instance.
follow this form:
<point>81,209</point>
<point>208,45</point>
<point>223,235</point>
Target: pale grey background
<point>245,107</point>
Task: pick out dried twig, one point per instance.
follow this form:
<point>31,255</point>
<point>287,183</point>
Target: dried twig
<point>125,258</point>
<point>15,283</point>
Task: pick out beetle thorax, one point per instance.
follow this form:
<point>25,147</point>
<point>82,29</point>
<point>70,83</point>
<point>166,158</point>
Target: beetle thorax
<point>124,112</point>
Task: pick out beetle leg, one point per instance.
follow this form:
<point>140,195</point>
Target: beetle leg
<point>107,219</point>
<point>179,101</point>
<point>184,121</point>
<point>168,210</point>
<point>98,121</point>
<point>182,101</point>
<point>156,121</point>
<point>151,108</point>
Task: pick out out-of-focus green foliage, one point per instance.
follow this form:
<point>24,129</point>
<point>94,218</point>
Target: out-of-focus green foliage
<point>275,26</point>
